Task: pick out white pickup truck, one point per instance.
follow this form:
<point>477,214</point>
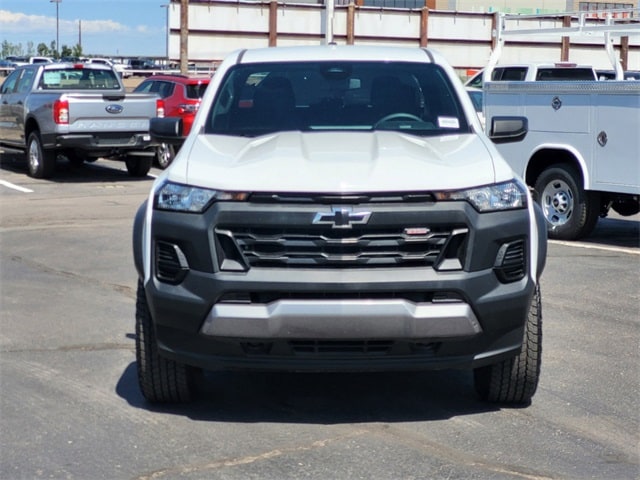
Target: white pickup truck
<point>582,151</point>
<point>338,208</point>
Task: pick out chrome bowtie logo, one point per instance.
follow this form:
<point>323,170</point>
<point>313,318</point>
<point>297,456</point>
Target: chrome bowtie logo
<point>341,217</point>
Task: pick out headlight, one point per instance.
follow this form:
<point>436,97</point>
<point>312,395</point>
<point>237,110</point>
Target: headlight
<point>183,198</point>
<point>490,198</point>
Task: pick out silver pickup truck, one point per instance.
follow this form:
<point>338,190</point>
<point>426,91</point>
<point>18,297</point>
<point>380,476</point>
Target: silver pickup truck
<point>77,110</point>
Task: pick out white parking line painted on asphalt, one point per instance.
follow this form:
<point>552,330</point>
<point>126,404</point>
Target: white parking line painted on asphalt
<point>630,251</point>
<point>15,187</point>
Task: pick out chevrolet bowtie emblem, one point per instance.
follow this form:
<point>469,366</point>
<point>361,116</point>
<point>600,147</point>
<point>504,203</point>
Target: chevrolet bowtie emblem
<point>341,217</point>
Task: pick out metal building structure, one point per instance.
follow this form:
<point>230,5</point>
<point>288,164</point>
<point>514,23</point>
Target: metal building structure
<point>217,27</point>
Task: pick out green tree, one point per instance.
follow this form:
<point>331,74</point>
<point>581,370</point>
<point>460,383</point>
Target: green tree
<point>30,50</point>
<point>11,48</point>
<point>6,48</point>
<point>66,51</point>
<point>53,49</point>
<point>77,50</point>
<point>43,50</point>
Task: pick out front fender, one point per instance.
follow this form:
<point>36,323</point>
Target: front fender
<point>138,239</point>
<point>542,239</point>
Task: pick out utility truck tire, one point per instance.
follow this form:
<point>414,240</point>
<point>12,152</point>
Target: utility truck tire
<point>570,211</point>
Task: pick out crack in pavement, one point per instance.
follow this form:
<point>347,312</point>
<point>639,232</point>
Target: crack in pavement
<point>232,462</point>
<point>122,289</point>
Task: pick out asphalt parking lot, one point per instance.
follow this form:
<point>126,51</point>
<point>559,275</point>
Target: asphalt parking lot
<point>70,405</point>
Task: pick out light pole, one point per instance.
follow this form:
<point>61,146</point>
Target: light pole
<point>166,48</point>
<point>57,2</point>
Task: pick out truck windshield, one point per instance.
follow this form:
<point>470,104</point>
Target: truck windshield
<point>74,78</point>
<point>415,98</point>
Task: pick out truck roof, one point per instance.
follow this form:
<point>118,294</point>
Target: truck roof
<point>338,52</point>
<point>66,65</point>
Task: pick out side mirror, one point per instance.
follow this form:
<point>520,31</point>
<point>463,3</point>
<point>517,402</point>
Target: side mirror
<point>508,129</point>
<point>166,129</point>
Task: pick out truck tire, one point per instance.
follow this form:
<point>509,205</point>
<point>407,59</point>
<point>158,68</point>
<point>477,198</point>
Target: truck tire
<point>570,211</point>
<point>515,380</point>
<point>626,208</point>
<point>75,159</point>
<point>161,380</point>
<point>138,166</point>
<point>165,152</point>
<point>40,162</point>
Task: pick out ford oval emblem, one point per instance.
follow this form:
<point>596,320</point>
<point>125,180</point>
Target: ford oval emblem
<point>114,108</point>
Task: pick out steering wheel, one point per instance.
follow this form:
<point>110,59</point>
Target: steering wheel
<point>396,116</point>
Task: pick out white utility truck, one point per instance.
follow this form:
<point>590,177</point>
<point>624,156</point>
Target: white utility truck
<point>581,153</point>
<point>582,150</point>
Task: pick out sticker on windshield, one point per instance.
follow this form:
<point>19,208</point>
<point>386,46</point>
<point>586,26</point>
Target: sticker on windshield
<point>448,122</point>
<point>51,78</point>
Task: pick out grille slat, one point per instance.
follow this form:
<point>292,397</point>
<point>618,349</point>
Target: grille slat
<point>315,347</point>
<point>263,247</point>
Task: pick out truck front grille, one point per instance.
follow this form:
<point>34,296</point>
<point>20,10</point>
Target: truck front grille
<point>316,347</point>
<point>363,350</point>
<point>334,248</point>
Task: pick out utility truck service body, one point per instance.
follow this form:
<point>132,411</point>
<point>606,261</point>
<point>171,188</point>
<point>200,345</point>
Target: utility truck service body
<point>582,150</point>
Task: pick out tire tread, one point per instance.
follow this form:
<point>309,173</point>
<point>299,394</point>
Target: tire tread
<point>161,380</point>
<point>515,380</point>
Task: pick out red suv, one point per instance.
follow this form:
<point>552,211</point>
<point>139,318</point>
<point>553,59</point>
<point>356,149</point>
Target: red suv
<point>181,95</point>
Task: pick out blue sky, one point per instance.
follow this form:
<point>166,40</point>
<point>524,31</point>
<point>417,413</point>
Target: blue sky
<point>109,27</point>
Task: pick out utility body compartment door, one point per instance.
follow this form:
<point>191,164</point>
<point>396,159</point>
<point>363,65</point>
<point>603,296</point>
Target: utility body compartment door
<point>616,142</point>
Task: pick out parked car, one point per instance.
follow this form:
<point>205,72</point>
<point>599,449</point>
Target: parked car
<point>611,75</point>
<point>182,95</point>
<point>33,60</point>
<point>142,64</point>
<point>121,69</point>
<point>559,71</point>
<point>5,67</point>
<point>16,60</point>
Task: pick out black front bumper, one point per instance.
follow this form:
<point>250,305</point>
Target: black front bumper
<point>215,314</point>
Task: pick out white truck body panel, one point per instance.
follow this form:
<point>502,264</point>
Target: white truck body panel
<point>584,113</point>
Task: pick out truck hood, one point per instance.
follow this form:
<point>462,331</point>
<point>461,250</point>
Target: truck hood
<point>337,162</point>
